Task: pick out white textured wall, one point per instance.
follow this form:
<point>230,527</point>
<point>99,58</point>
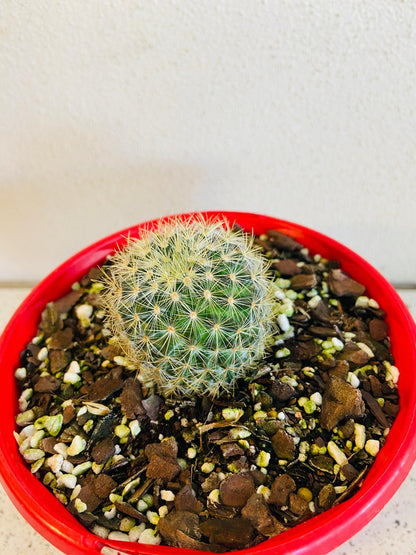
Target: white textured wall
<point>114,112</point>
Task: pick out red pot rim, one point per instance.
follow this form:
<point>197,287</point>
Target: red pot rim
<point>318,535</point>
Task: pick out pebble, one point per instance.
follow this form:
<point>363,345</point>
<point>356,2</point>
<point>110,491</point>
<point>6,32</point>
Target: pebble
<point>167,495</point>
<point>149,537</point>
<point>372,446</point>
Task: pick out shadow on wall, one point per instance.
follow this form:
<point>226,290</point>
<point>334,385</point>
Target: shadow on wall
<point>67,191</point>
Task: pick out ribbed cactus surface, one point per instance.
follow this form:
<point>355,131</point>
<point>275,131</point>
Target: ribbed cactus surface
<point>191,304</point>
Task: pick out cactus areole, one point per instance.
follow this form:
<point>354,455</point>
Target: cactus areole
<point>191,304</point>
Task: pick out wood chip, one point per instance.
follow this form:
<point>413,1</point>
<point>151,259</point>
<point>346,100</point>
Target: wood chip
<point>235,533</point>
<point>131,399</point>
<point>258,513</point>
<point>340,400</point>
<point>282,486</point>
<point>103,388</point>
<point>287,267</point>
<point>47,384</point>
<point>375,408</point>
<point>282,241</point>
<point>103,450</point>
<point>165,468</point>
<point>62,339</point>
<point>65,303</point>
<point>283,445</point>
<point>235,489</point>
<point>185,500</point>
<point>303,281</point>
<point>129,510</point>
<point>342,285</point>
<point>185,521</point>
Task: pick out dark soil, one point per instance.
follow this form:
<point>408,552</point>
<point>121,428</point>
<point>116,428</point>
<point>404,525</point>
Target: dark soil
<point>212,474</point>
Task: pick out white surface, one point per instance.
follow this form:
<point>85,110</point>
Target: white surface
<point>114,112</point>
<point>392,532</point>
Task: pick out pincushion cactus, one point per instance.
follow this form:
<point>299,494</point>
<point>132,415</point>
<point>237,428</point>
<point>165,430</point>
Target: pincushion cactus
<point>191,304</point>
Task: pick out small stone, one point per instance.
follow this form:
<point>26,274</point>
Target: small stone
<point>78,444</point>
<point>236,489</point>
<point>149,537</point>
<point>207,467</point>
<point>67,480</point>
<point>372,446</point>
<point>336,453</point>
<point>167,495</point>
<point>118,536</point>
<point>282,486</point>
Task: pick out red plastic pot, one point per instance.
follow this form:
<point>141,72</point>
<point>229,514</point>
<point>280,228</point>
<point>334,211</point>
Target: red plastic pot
<point>319,534</point>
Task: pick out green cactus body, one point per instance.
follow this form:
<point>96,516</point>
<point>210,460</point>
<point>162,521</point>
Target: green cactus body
<point>191,304</point>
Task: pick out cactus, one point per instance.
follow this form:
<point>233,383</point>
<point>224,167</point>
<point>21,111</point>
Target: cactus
<point>191,304</point>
